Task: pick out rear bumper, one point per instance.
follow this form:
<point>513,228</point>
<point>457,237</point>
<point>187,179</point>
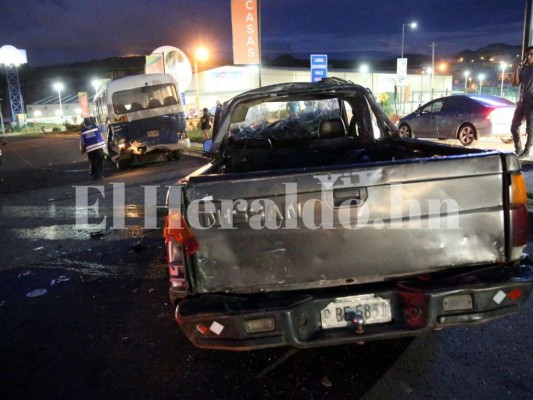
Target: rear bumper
<point>220,321</point>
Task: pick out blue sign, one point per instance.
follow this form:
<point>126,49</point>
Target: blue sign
<point>319,67</point>
<point>318,73</point>
<point>319,60</point>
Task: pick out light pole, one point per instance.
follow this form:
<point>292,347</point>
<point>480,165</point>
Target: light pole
<point>199,54</point>
<point>481,77</point>
<point>466,73</point>
<point>433,44</point>
<point>429,71</point>
<point>364,69</point>
<point>59,87</point>
<point>504,66</point>
<point>96,84</point>
<point>2,118</point>
<point>412,25</point>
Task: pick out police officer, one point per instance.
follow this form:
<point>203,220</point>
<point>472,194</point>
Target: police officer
<point>92,143</point>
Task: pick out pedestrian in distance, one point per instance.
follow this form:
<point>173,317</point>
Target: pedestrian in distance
<point>523,77</point>
<point>205,122</point>
<point>92,143</point>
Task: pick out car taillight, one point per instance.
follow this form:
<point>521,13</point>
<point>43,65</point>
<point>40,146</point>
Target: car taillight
<point>490,114</point>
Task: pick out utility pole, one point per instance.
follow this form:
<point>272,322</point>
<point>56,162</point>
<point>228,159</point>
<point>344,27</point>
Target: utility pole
<point>432,45</point>
<point>2,118</point>
<point>528,27</point>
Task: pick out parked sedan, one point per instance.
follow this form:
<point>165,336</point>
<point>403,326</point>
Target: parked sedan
<point>466,117</point>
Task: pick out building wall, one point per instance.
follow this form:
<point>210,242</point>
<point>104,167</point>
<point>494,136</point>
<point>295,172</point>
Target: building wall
<point>225,82</point>
<point>221,84</point>
<point>51,113</point>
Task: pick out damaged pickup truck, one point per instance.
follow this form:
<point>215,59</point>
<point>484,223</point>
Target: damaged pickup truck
<point>315,224</point>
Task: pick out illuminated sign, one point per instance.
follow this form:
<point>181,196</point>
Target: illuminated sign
<point>245,32</point>
<point>319,67</point>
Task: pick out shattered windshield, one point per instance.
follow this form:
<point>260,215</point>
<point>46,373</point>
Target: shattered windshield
<point>285,119</point>
<point>302,128</point>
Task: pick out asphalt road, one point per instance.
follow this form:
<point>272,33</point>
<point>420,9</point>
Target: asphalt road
<point>85,313</point>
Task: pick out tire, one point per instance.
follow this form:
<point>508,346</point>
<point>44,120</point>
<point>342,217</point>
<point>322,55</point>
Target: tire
<point>176,154</point>
<point>124,163</point>
<point>467,134</point>
<point>405,131</point>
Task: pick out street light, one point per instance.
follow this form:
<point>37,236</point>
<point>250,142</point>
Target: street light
<point>200,54</point>
<point>412,25</point>
<point>481,77</point>
<point>365,69</point>
<point>466,73</point>
<point>59,87</point>
<point>96,84</point>
<point>503,66</point>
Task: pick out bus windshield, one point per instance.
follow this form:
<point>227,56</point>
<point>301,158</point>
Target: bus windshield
<point>144,98</point>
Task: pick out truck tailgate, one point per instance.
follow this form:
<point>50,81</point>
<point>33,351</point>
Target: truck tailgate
<point>352,224</point>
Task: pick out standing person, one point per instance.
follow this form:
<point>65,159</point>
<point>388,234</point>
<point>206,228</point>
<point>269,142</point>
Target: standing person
<point>523,76</point>
<point>92,143</point>
<point>205,122</point>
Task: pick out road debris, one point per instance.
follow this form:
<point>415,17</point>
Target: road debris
<point>61,278</point>
<point>36,293</point>
<point>138,246</point>
<point>326,382</point>
<point>96,235</point>
<point>88,278</point>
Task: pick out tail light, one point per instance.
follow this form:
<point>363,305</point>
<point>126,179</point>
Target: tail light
<point>178,236</point>
<point>415,309</point>
<point>176,268</point>
<point>518,210</point>
<point>177,228</point>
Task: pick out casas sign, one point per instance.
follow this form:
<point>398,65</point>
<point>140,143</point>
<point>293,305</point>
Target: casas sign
<point>245,32</point>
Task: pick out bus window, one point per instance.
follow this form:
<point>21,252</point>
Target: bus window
<point>146,97</point>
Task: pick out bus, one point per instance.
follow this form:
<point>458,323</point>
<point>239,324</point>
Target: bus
<point>140,116</point>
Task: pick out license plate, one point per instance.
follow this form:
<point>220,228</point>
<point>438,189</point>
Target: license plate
<point>373,310</point>
<point>153,133</point>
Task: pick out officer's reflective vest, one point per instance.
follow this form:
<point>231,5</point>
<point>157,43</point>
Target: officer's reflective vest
<point>92,139</point>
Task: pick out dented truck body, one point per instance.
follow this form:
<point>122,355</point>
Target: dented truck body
<point>316,224</point>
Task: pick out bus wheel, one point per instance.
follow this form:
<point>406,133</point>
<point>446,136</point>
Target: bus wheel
<point>176,154</point>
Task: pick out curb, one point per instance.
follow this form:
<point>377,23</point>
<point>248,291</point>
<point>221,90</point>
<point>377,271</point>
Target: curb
<point>195,152</point>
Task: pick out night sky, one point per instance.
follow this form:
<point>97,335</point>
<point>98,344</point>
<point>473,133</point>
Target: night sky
<point>64,31</point>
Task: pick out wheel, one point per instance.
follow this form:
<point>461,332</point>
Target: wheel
<point>467,134</point>
<point>124,163</point>
<point>405,131</point>
<point>176,154</point>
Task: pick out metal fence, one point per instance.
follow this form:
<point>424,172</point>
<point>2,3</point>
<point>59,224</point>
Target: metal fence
<point>402,105</point>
